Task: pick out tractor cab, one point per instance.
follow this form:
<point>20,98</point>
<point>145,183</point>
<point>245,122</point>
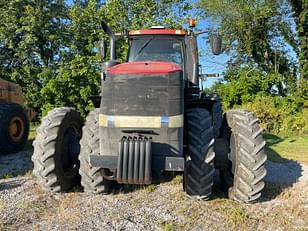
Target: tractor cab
<point>165,45</point>
<point>158,44</point>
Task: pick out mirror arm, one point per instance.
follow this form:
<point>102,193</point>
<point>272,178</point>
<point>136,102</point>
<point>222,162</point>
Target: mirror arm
<point>200,32</point>
<point>121,34</point>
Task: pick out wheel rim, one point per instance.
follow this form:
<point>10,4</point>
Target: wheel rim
<point>71,149</point>
<point>16,128</point>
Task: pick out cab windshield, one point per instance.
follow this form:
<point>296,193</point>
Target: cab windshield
<point>153,48</point>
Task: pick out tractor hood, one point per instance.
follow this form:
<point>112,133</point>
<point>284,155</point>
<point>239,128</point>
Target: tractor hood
<point>144,68</point>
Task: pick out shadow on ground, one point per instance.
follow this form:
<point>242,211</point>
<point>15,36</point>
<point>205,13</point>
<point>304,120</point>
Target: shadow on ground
<point>16,164</point>
<point>272,155</point>
<point>282,173</point>
<point>11,184</point>
<point>175,177</point>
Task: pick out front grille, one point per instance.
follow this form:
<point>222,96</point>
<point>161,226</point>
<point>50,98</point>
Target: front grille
<point>144,95</point>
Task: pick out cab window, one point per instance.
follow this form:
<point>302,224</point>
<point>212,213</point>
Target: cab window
<point>152,48</point>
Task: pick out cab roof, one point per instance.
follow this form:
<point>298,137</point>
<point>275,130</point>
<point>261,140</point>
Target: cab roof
<point>158,31</point>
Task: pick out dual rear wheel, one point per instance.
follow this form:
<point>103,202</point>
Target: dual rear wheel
<point>61,151</point>
<point>56,150</point>
<point>244,169</point>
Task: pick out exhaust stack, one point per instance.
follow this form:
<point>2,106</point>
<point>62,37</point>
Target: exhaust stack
<point>112,38</point>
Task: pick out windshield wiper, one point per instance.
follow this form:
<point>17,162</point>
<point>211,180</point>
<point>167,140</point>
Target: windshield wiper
<point>142,48</point>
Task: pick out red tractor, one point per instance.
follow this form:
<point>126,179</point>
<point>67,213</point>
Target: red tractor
<point>151,119</point>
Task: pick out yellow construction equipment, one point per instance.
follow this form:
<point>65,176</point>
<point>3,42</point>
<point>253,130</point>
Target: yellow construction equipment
<point>14,119</point>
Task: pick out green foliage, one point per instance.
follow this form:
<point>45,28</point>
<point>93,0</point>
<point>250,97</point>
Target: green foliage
<point>244,84</point>
<point>261,76</point>
<point>279,115</point>
<point>50,48</point>
<point>253,31</point>
<point>77,76</point>
<point>300,14</point>
<point>255,90</point>
<point>31,39</point>
<point>73,85</point>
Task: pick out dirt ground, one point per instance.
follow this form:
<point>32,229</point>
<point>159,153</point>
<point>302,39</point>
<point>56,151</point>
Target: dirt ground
<point>25,206</point>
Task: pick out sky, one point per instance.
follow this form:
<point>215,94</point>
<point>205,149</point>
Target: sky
<point>210,64</point>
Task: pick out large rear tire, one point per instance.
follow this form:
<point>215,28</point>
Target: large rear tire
<point>92,178</point>
<point>244,175</point>
<point>199,168</point>
<point>14,128</point>
<point>56,150</point>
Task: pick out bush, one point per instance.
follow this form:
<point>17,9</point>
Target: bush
<point>280,115</point>
<point>242,85</point>
<point>263,93</point>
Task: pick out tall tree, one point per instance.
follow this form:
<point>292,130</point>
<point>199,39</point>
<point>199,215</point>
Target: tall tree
<point>250,28</point>
<point>300,13</point>
<point>31,39</point>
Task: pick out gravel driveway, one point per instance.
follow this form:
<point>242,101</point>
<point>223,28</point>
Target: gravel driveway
<point>25,206</point>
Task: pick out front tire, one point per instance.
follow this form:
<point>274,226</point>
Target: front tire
<point>245,173</point>
<point>56,150</point>
<point>92,178</point>
<point>199,167</point>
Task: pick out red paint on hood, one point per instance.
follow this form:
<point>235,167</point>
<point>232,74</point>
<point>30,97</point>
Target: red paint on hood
<point>144,67</point>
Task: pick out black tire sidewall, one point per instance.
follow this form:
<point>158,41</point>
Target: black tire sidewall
<point>92,178</point>
<point>196,162</point>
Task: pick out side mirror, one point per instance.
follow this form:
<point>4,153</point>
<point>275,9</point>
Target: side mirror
<point>216,44</point>
<point>102,48</point>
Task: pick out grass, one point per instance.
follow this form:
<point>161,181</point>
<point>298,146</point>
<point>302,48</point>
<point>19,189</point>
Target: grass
<point>25,205</point>
<point>283,148</point>
<point>7,176</point>
<point>150,188</point>
<point>178,179</point>
<point>32,135</point>
<point>66,214</point>
<point>166,226</point>
<point>235,214</point>
<point>32,130</point>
